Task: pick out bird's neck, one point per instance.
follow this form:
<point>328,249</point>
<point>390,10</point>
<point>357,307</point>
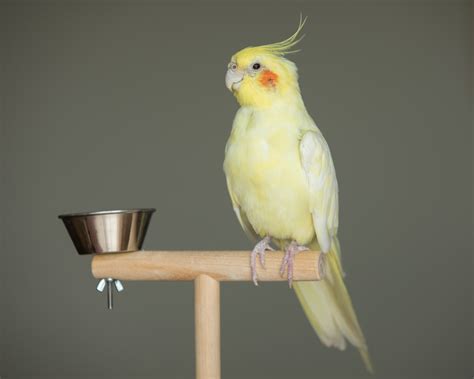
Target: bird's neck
<point>290,103</point>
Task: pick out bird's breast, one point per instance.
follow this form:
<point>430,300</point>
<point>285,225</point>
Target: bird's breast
<point>263,167</point>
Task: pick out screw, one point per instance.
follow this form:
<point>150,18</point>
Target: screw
<point>110,290</point>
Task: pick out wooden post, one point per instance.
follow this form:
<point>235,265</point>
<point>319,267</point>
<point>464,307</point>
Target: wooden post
<point>207,327</point>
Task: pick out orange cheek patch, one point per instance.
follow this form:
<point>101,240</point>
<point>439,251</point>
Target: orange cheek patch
<point>268,79</point>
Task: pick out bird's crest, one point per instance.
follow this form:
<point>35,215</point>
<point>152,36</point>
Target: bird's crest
<point>284,47</point>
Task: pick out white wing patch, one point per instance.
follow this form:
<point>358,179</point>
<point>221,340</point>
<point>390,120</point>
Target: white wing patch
<point>319,169</point>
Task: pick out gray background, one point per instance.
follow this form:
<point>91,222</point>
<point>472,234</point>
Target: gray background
<point>117,105</point>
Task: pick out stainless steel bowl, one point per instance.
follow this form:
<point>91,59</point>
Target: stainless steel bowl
<point>116,231</point>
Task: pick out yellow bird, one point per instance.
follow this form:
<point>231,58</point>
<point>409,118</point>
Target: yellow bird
<point>282,183</point>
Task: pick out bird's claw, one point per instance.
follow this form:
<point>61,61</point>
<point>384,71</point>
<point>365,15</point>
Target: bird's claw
<point>259,249</point>
<point>288,260</point>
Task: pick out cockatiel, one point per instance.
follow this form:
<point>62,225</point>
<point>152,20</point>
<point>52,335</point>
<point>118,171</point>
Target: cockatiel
<point>282,183</point>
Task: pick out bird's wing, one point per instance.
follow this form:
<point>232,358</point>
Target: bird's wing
<point>319,169</point>
<point>241,216</point>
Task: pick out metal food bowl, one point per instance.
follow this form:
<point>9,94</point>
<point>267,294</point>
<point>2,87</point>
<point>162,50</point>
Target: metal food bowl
<point>117,231</point>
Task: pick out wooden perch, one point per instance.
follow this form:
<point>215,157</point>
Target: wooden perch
<point>188,265</point>
<point>207,269</point>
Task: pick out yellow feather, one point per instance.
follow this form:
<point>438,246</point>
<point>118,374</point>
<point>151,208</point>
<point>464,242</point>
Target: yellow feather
<point>263,169</point>
<point>329,308</point>
<point>278,48</point>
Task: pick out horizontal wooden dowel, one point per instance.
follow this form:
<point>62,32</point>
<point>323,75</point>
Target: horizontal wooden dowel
<point>188,265</point>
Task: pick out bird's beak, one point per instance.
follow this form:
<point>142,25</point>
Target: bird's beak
<point>233,79</point>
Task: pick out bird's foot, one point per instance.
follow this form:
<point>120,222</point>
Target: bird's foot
<point>288,260</point>
<point>259,249</point>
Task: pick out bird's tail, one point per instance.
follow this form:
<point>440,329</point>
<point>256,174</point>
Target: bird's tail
<point>328,306</point>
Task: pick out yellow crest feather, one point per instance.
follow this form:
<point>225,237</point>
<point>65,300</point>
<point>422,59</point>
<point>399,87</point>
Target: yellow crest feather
<point>283,47</point>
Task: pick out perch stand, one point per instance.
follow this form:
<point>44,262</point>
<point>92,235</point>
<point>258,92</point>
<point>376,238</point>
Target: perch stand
<point>206,269</point>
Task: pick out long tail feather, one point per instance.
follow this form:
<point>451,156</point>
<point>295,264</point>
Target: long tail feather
<point>329,309</point>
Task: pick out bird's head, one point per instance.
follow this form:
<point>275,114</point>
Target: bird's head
<point>260,75</point>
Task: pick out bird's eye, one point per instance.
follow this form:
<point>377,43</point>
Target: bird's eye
<point>232,66</point>
<point>256,66</point>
